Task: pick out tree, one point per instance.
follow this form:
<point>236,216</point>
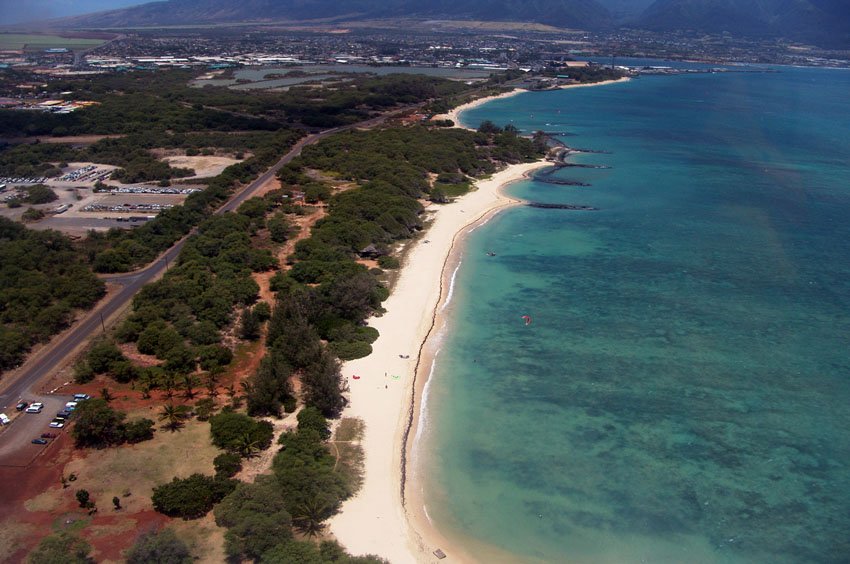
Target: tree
<point>83,498</point>
<point>102,355</point>
<point>174,416</point>
<point>98,425</point>
<point>162,548</point>
<point>239,433</point>
<point>192,497</point>
<point>489,127</point>
<point>256,518</point>
<point>322,380</point>
<point>312,418</point>
<point>189,387</point>
<point>61,547</point>
<point>106,395</point>
<point>249,328</point>
<point>269,388</point>
<point>309,516</point>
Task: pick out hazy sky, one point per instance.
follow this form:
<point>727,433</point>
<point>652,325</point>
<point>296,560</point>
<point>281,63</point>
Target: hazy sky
<point>15,11</point>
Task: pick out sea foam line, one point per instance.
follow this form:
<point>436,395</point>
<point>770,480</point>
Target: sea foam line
<point>423,405</point>
<point>451,291</point>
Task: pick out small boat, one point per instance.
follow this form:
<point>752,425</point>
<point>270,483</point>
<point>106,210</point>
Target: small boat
<point>356,377</point>
<point>491,254</point>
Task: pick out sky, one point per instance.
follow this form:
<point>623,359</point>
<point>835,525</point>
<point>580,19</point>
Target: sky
<point>17,11</point>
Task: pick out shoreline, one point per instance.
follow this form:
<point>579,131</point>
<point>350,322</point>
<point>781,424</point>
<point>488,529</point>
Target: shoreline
<point>387,516</point>
<point>454,113</point>
<point>378,520</point>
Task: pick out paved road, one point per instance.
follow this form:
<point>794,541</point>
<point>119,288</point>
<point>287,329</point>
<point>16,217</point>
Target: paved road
<point>21,384</point>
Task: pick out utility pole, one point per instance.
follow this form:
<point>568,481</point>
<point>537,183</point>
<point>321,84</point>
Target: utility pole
<point>102,324</point>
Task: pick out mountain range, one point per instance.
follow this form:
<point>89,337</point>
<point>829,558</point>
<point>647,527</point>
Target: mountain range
<point>825,22</point>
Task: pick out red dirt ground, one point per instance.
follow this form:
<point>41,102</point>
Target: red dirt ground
<point>18,485</point>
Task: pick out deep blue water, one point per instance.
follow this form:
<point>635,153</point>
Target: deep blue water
<point>683,391</point>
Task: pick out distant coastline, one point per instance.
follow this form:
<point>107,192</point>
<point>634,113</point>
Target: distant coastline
<point>454,113</point>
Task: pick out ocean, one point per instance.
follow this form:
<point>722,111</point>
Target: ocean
<point>680,389</point>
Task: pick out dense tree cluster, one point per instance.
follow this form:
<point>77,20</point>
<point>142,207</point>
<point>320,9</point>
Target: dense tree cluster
<point>302,492</point>
<point>43,281</point>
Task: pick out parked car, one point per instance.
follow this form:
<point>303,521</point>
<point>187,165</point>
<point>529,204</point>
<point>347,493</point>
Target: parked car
<point>71,406</point>
<point>81,397</point>
<point>21,406</point>
<point>40,441</point>
<point>57,423</point>
<point>63,415</point>
<point>48,435</point>
<point>4,419</point>
<point>35,407</point>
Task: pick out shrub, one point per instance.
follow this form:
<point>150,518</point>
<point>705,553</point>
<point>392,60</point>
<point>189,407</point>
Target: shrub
<point>138,430</point>
<point>227,464</point>
<point>387,261</point>
<point>83,372</point>
<point>192,497</point>
<point>61,547</point>
<point>350,350</point>
<point>204,409</point>
<point>163,548</point>
<point>312,418</point>
<point>263,311</point>
<point>32,214</point>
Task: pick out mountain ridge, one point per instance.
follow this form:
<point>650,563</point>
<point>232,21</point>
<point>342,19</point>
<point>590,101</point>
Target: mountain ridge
<point>824,22</point>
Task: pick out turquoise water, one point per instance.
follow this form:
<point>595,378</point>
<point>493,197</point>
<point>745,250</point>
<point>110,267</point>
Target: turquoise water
<point>683,391</point>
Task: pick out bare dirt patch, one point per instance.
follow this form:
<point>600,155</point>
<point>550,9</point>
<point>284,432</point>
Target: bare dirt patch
<point>204,166</point>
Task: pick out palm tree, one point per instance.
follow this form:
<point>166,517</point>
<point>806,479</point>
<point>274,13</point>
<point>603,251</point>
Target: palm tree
<point>188,387</point>
<point>168,385</point>
<point>106,395</point>
<point>309,516</point>
<point>173,415</point>
<point>247,446</point>
<point>212,384</point>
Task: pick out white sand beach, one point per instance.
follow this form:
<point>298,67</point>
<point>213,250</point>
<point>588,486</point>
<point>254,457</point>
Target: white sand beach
<point>454,113</point>
<point>374,522</point>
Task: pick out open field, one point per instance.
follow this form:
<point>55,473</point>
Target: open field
<point>16,41</point>
<point>204,166</point>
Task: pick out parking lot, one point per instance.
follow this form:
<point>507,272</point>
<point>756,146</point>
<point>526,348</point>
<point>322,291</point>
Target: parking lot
<point>16,448</point>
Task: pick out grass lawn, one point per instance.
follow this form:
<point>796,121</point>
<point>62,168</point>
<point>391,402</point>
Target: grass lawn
<point>138,468</point>
<point>15,41</point>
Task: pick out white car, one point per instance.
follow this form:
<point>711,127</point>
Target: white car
<point>81,397</point>
<point>56,424</point>
<point>71,405</point>
<point>4,419</point>
<point>35,407</point>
